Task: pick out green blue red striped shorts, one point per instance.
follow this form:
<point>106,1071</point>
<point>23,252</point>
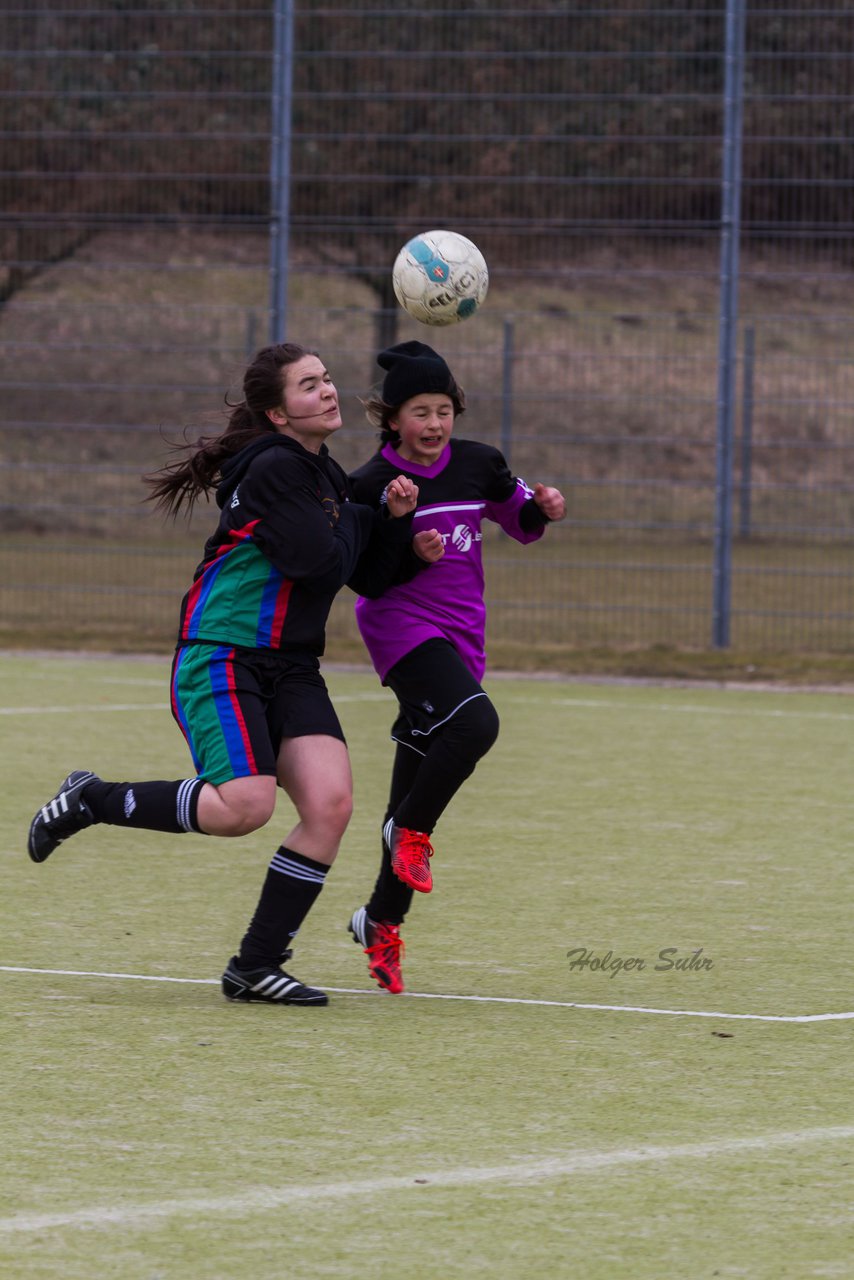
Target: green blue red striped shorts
<point>234,706</point>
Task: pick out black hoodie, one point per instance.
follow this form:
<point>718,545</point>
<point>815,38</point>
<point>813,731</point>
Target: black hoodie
<point>289,537</point>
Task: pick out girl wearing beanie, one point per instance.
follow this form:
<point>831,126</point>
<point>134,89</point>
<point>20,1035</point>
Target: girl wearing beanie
<point>426,633</point>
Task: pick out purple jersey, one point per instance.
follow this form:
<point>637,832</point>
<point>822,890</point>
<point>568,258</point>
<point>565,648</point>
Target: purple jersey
<point>468,483</point>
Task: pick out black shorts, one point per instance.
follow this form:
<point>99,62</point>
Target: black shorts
<point>432,683</point>
<point>234,707</point>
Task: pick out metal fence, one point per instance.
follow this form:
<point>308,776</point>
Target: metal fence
<point>166,169</point>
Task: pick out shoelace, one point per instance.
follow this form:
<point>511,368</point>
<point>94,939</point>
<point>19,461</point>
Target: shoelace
<point>414,843</point>
<point>388,945</point>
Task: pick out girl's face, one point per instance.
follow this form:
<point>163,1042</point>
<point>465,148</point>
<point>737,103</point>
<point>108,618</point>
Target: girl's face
<point>425,424</point>
<point>309,410</point>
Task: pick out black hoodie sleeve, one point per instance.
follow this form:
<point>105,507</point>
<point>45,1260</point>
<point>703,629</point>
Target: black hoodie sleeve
<point>387,551</point>
<point>308,533</point>
<point>390,558</point>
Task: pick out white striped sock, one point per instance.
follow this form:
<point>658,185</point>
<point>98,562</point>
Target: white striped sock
<point>186,793</point>
<point>297,870</point>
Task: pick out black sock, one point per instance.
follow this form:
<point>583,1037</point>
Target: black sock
<point>152,806</point>
<point>290,889</point>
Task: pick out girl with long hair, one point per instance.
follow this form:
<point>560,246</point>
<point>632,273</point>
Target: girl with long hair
<point>246,688</point>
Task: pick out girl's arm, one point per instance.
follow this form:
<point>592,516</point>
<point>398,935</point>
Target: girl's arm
<point>310,536</point>
<point>521,511</point>
<point>388,554</point>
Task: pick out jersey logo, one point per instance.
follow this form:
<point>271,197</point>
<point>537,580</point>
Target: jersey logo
<point>235,501</point>
<point>462,537</point>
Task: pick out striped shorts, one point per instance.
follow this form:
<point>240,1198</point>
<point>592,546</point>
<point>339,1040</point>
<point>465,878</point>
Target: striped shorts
<point>235,706</point>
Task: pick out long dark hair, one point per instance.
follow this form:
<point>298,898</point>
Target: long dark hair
<point>179,484</point>
<point>379,414</point>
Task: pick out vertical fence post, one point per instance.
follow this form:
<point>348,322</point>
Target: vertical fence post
<point>251,333</point>
<point>728,322</point>
<point>746,483</point>
<point>280,164</point>
<point>507,390</point>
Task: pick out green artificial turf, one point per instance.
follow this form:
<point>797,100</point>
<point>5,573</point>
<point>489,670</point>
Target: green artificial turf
<point>537,1117</point>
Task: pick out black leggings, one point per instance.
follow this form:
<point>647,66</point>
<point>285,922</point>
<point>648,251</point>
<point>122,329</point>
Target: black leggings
<point>447,724</point>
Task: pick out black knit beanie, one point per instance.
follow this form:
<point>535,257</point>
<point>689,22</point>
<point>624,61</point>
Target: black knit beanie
<point>413,369</point>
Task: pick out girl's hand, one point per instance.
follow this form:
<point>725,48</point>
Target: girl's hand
<point>428,545</point>
<point>550,501</point>
<point>401,496</point>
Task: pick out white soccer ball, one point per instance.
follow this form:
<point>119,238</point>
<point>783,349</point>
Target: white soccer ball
<point>440,277</point>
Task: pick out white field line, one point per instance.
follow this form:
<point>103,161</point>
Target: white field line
<point>608,704</point>
<point>420,1181</point>
<point>429,995</point>
<point>590,704</point>
<point>87,709</point>
<point>90,709</point>
<point>147,682</point>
